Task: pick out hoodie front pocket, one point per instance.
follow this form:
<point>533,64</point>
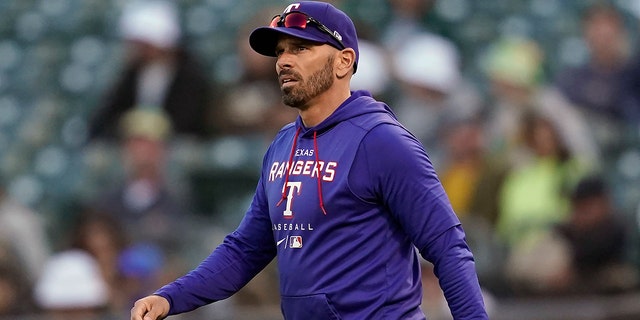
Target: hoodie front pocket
<point>311,307</point>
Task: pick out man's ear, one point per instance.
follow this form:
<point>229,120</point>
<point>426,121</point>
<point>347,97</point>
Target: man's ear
<point>344,63</point>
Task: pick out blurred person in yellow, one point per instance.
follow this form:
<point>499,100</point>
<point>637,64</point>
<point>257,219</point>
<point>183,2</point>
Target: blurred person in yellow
<point>472,179</point>
<point>514,66</point>
<point>467,169</point>
<point>534,198</point>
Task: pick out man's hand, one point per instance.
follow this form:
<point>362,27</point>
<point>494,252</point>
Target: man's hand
<point>150,308</point>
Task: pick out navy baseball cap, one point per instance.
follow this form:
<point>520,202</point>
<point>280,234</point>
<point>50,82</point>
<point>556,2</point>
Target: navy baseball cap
<point>324,24</point>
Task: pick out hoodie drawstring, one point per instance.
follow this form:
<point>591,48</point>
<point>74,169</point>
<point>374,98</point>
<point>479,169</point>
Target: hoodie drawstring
<point>315,151</point>
<point>289,164</point>
<point>289,168</point>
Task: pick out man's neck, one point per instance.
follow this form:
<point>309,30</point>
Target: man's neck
<point>322,106</point>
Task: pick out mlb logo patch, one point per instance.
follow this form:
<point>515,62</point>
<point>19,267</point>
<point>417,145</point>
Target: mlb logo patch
<point>295,242</point>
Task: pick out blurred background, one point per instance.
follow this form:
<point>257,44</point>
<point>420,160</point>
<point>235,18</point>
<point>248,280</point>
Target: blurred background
<point>132,134</point>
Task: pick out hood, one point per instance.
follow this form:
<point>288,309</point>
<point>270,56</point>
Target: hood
<point>359,103</point>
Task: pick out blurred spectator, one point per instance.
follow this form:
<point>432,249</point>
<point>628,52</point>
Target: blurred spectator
<point>15,288</point>
<point>597,87</point>
<point>142,269</point>
<point>632,93</point>
<point>597,238</point>
<point>130,270</point>
<point>72,287</point>
<point>472,180</point>
<point>586,254</point>
<point>150,207</point>
<point>468,171</point>
<point>24,231</point>
<point>431,88</point>
<point>159,73</point>
<point>104,238</point>
<point>374,70</point>
<point>514,67</point>
<point>252,105</point>
<point>406,22</point>
<point>534,193</point>
<point>632,77</point>
<point>532,199</point>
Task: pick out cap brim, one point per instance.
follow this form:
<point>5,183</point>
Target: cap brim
<point>264,39</point>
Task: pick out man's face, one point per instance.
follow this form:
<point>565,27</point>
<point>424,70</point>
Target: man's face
<point>591,212</point>
<point>606,38</point>
<point>305,70</point>
<point>143,156</point>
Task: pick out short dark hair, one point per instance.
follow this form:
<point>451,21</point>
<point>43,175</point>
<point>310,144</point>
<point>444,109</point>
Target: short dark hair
<point>589,187</point>
<point>602,9</point>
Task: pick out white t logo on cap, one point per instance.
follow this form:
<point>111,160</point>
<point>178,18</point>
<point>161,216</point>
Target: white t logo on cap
<point>291,7</point>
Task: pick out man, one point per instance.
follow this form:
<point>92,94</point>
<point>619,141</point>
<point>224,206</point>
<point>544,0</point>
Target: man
<point>345,194</point>
<point>597,85</point>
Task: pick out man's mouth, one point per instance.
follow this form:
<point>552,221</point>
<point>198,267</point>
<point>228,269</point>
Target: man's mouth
<point>287,78</point>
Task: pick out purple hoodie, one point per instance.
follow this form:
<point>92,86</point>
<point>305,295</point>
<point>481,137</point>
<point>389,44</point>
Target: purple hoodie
<point>343,206</point>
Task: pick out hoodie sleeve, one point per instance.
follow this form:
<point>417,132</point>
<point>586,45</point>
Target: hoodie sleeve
<point>402,178</point>
<point>230,266</point>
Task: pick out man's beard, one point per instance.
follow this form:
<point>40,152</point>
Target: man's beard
<point>299,95</point>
